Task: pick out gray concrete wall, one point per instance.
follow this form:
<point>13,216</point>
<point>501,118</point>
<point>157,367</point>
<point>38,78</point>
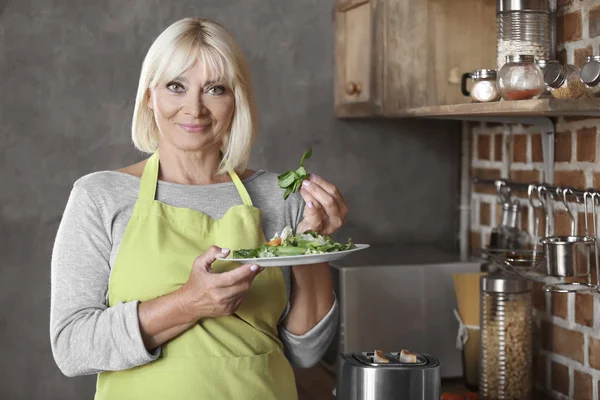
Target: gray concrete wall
<point>68,75</point>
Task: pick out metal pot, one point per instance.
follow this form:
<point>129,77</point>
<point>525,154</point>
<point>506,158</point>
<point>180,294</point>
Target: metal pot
<point>568,255</point>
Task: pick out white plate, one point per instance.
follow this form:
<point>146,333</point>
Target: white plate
<point>297,260</point>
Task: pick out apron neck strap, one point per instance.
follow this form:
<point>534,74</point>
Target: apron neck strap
<point>240,188</point>
<point>150,179</point>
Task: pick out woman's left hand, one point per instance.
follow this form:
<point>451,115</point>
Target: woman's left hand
<point>325,209</point>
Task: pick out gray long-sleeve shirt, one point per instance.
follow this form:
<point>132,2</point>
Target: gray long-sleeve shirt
<point>87,335</point>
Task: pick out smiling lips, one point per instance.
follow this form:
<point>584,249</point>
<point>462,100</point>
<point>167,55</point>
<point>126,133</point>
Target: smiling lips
<point>194,127</point>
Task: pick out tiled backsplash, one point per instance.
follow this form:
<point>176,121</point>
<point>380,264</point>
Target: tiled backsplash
<point>567,339</point>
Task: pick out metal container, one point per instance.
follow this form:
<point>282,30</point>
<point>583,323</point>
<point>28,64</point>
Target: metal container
<point>505,348</point>
<point>590,75</point>
<point>523,28</point>
<point>359,378</point>
<point>568,256</point>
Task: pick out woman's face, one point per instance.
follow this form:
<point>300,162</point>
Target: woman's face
<point>192,111</point>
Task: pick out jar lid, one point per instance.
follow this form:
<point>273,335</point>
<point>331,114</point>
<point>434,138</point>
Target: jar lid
<point>516,58</point>
<point>544,63</point>
<point>522,5</point>
<point>590,73</point>
<point>592,58</point>
<point>554,75</point>
<point>504,283</point>
<point>484,73</point>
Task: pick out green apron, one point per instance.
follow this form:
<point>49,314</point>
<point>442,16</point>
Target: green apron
<point>238,356</point>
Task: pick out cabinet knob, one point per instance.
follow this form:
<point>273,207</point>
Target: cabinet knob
<point>352,88</point>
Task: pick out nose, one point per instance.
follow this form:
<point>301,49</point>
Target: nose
<point>195,107</point>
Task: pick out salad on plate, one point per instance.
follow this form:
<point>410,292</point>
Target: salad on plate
<point>287,244</point>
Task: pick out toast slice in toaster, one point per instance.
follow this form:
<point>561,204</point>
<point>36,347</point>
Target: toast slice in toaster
<point>379,357</point>
<point>407,357</point>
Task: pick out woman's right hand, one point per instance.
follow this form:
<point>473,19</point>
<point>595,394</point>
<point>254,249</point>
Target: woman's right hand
<point>208,294</point>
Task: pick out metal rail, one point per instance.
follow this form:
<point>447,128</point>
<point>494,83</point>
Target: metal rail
<point>571,191</point>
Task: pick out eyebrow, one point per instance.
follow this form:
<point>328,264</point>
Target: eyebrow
<point>207,83</point>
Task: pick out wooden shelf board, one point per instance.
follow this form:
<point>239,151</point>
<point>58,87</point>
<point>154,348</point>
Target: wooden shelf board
<point>510,109</point>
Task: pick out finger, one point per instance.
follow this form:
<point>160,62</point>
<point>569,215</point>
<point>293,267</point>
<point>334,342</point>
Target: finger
<point>329,188</point>
<point>324,198</point>
<point>312,205</point>
<point>205,260</point>
<point>314,219</point>
<point>230,293</point>
<point>238,275</point>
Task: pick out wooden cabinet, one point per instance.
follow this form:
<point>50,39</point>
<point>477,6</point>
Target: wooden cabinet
<point>355,57</point>
<point>395,55</point>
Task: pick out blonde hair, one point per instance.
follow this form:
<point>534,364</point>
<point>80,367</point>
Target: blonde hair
<point>174,51</point>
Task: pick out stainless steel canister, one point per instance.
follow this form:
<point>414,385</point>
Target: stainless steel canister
<point>505,347</point>
<point>523,28</point>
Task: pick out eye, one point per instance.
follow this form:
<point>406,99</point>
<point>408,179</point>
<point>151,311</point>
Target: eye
<point>175,87</point>
<point>216,90</point>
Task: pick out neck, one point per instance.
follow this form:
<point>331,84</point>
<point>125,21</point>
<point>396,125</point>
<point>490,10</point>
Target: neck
<point>190,167</point>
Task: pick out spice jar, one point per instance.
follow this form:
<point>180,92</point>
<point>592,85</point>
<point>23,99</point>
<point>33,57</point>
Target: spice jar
<point>590,75</point>
<point>505,347</point>
<point>484,85</point>
<point>564,81</point>
<point>543,64</point>
<point>523,28</point>
<point>520,78</point>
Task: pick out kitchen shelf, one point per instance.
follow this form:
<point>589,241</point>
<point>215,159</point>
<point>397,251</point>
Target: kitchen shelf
<point>510,110</point>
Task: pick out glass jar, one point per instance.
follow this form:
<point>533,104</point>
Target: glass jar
<point>505,349</point>
<point>520,78</point>
<point>590,75</point>
<point>564,81</point>
<point>484,85</point>
<point>543,64</point>
<point>522,28</point>
<point>509,235</point>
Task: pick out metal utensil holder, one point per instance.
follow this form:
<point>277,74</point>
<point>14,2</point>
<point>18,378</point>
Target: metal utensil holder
<point>570,256</point>
<point>563,256</point>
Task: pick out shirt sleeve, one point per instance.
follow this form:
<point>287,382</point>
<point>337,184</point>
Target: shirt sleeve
<point>306,350</point>
<point>88,336</point>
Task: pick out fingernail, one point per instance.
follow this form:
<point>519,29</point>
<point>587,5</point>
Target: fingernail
<point>310,204</point>
<point>313,177</point>
<point>306,183</point>
<point>224,251</point>
<point>254,268</point>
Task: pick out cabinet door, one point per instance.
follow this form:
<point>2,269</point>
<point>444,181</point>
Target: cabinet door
<point>354,93</point>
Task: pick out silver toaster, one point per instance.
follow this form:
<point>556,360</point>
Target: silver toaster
<point>360,378</point>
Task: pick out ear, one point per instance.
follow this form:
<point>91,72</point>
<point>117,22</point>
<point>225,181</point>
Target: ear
<point>149,97</point>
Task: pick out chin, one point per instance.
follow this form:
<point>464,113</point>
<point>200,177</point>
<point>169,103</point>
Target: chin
<point>196,144</point>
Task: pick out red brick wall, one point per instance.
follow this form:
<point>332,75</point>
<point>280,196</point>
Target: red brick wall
<point>567,339</point>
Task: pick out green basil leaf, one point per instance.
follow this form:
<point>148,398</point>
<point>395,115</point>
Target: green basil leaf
<point>284,175</point>
<point>288,191</point>
<point>288,180</point>
<point>301,172</point>
<point>306,156</point>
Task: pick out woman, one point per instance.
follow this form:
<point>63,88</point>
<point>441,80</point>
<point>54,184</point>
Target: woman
<point>137,295</point>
